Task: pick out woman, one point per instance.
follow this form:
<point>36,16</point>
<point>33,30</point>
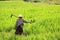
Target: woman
<point>19,25</point>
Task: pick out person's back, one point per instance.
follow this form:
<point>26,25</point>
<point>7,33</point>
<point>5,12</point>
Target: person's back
<point>19,22</point>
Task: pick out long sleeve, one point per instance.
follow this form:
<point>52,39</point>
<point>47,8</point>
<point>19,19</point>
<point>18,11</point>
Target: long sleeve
<point>25,21</point>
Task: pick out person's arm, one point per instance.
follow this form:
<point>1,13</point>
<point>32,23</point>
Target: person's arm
<point>25,21</point>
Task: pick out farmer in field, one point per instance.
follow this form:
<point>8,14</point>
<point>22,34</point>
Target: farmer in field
<point>19,25</point>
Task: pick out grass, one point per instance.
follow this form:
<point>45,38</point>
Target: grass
<point>46,19</point>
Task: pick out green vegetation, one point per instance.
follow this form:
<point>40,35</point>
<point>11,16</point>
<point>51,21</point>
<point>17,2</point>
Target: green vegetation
<point>45,27</point>
<point>56,2</point>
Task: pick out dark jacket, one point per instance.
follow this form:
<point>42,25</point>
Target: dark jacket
<point>20,22</point>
